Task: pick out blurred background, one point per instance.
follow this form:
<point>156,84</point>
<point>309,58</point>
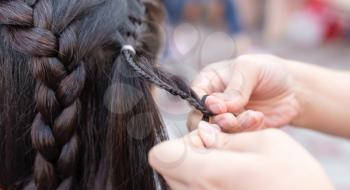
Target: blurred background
<point>200,32</point>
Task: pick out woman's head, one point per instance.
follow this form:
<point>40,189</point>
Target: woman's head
<point>76,112</point>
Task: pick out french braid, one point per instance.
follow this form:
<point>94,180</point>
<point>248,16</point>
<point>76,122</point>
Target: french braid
<point>60,82</point>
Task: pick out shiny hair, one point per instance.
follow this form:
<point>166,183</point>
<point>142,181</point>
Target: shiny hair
<point>76,109</point>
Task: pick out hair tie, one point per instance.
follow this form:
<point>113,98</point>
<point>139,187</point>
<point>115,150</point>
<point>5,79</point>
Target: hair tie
<point>206,117</point>
<point>204,99</point>
<point>129,48</point>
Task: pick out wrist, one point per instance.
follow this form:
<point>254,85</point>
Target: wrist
<point>323,98</point>
<point>302,95</point>
<point>305,78</point>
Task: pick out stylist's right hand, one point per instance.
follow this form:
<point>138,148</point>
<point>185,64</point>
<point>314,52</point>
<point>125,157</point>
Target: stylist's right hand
<point>249,93</point>
<point>263,160</point>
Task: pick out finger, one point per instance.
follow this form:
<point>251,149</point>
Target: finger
<point>250,120</point>
<point>236,94</point>
<point>227,122</point>
<point>211,136</point>
<point>164,161</point>
<point>239,89</point>
<point>207,82</point>
<point>215,105</point>
<point>241,142</point>
<point>189,161</point>
<point>193,139</point>
<point>246,121</point>
<point>210,79</point>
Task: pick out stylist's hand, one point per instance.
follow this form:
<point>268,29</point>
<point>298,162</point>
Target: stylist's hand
<point>268,160</point>
<point>258,89</point>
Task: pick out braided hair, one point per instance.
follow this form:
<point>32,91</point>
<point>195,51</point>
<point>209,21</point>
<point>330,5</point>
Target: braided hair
<point>65,55</point>
<point>171,84</point>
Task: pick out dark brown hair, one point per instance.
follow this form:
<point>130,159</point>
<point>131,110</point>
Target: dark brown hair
<point>75,110</point>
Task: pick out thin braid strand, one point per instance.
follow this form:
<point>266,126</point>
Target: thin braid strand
<point>155,80</point>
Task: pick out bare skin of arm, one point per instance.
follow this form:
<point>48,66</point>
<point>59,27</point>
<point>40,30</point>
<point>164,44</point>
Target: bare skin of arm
<point>324,98</point>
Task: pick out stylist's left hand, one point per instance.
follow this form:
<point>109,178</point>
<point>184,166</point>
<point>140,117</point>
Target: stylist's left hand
<point>268,160</point>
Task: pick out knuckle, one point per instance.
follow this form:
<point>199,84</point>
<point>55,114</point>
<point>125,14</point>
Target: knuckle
<point>253,59</point>
<point>245,58</point>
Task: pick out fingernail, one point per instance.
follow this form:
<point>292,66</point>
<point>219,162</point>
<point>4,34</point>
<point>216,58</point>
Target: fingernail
<point>217,108</point>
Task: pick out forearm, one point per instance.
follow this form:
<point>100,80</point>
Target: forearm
<point>324,97</point>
